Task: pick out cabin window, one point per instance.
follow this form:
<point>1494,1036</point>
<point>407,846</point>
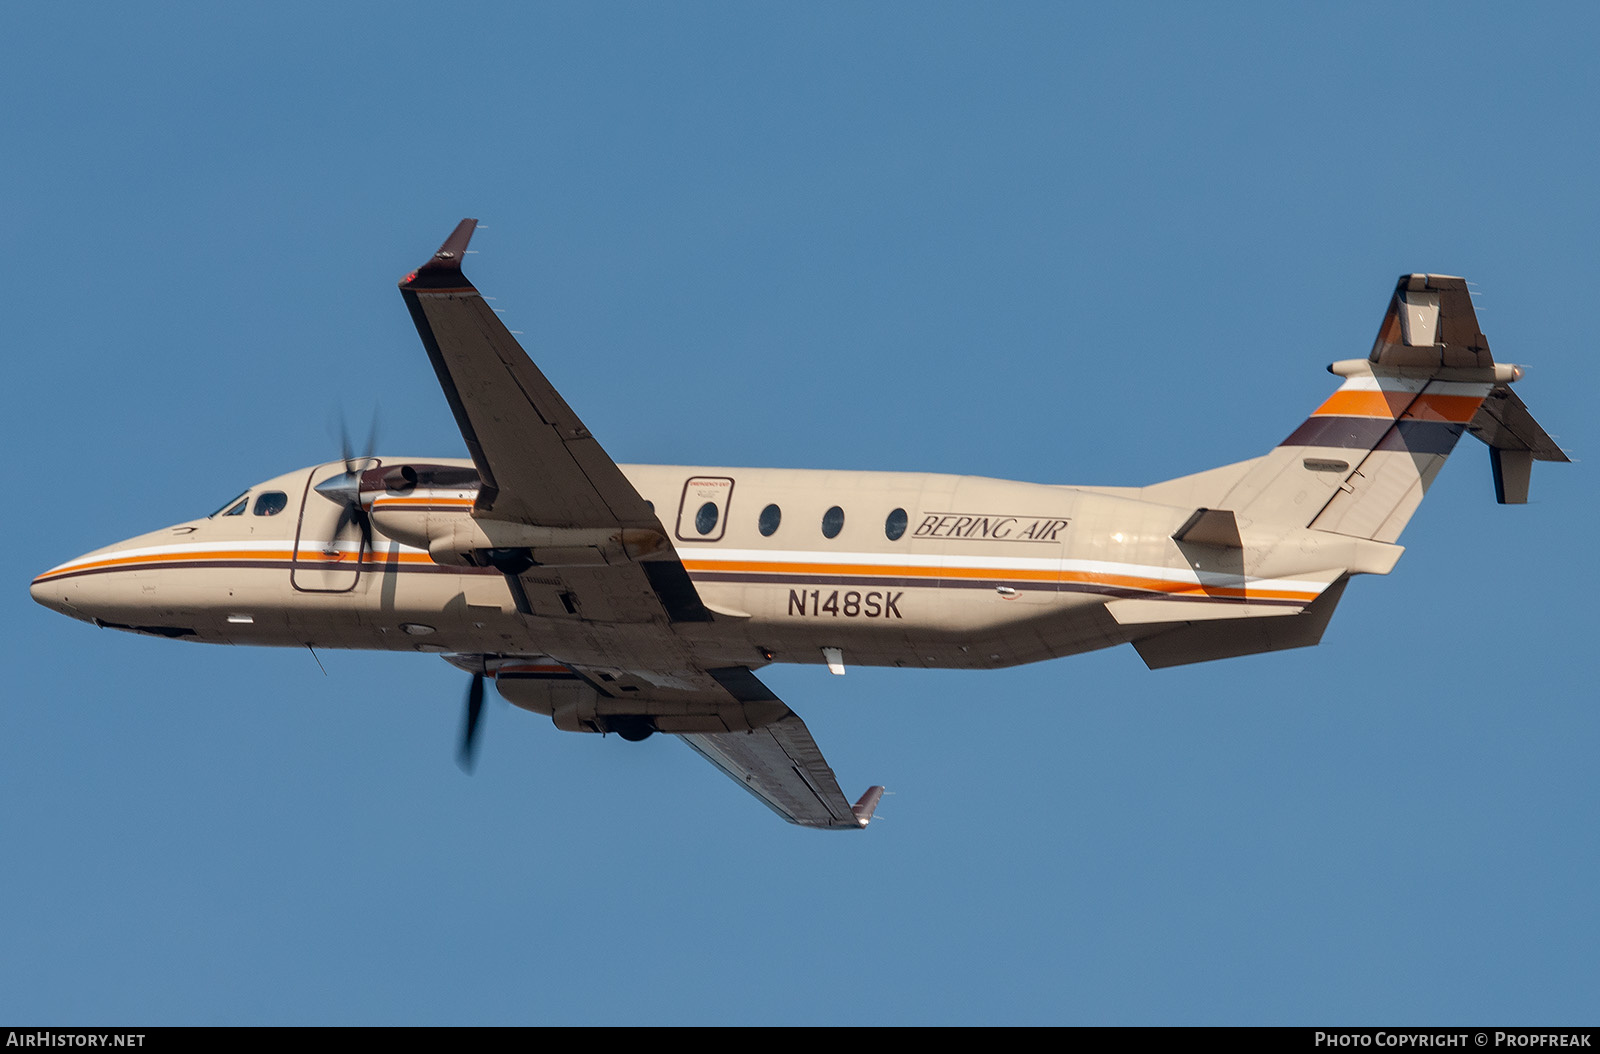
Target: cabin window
<point>271,503</point>
<point>895,525</point>
<point>703,509</point>
<point>234,507</point>
<point>705,521</point>
<point>771,516</point>
<point>832,522</point>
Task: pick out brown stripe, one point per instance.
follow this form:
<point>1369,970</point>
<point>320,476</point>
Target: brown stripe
<point>1422,437</point>
<point>751,571</point>
<point>1346,433</point>
<point>1107,585</point>
<point>274,564</point>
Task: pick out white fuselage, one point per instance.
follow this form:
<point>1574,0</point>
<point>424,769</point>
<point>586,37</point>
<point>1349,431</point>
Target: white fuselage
<point>924,570</point>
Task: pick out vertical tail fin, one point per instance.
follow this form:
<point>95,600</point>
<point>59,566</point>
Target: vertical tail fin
<point>1396,432</point>
<point>1362,461</point>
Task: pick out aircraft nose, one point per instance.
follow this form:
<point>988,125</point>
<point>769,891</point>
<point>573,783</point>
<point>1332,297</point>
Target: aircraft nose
<point>56,594</point>
<point>72,594</point>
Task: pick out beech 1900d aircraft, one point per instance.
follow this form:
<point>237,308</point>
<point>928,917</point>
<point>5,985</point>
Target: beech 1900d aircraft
<point>639,599</point>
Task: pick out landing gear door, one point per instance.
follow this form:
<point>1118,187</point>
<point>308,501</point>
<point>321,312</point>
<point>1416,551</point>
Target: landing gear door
<point>703,510</point>
<point>324,562</point>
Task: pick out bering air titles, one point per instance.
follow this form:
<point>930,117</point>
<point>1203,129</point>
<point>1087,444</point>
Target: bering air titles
<point>988,527</point>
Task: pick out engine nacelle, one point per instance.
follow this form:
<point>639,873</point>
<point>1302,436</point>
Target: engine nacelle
<point>443,525</point>
<point>545,687</point>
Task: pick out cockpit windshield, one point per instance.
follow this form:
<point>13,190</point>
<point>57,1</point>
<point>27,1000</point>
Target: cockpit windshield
<point>233,507</point>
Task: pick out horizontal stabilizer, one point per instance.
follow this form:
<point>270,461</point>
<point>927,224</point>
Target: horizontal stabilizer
<point>1503,421</point>
<point>1515,442</point>
<point>1225,639</point>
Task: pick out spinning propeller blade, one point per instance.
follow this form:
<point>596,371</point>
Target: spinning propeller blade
<point>466,756</point>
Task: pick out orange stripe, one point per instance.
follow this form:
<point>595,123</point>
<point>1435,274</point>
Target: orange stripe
<point>265,557</point>
<point>1153,585</point>
<point>1458,409</point>
<point>1346,403</point>
<point>776,568</point>
<point>1185,589</point>
<point>399,499</point>
<point>150,558</point>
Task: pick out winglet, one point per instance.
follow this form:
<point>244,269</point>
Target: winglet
<point>866,805</point>
<point>443,269</point>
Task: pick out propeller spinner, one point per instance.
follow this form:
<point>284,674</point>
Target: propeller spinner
<point>345,490</point>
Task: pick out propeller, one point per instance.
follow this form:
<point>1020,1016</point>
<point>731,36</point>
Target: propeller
<point>467,755</point>
<point>345,489</point>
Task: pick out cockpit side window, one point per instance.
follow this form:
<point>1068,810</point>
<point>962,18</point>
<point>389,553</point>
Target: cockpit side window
<point>271,502</point>
<point>234,507</point>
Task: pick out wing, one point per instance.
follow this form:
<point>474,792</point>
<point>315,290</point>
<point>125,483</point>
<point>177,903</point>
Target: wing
<point>733,720</point>
<point>781,765</point>
<point>539,465</point>
<point>541,469</point>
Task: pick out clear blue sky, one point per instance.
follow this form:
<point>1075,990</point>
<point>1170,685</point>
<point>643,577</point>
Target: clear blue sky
<point>1098,244</point>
